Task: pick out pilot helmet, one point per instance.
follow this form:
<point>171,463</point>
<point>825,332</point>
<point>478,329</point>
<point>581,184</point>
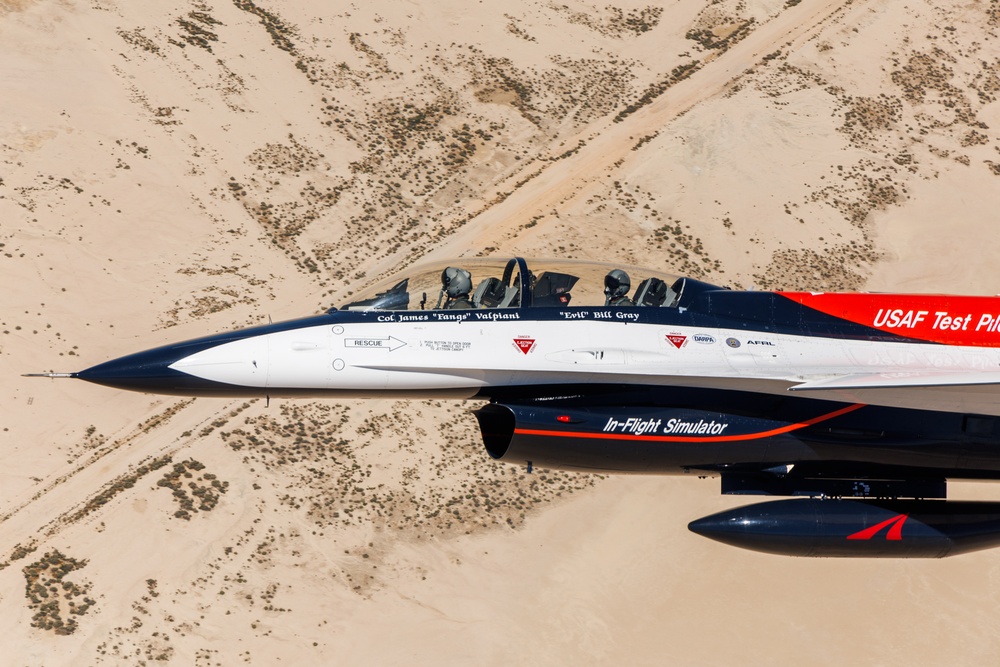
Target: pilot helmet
<point>456,282</point>
<point>616,284</point>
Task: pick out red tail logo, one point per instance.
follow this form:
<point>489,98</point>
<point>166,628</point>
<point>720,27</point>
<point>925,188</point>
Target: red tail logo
<point>895,532</point>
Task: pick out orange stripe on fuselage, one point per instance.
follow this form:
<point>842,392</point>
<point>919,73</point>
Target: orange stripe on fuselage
<point>934,318</point>
<point>679,438</point>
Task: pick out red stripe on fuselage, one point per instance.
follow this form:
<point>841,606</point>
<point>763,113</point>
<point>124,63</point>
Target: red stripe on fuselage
<point>946,319</point>
<point>681,438</point>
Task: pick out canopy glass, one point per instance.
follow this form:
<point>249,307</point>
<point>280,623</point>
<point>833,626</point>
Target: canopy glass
<point>497,283</point>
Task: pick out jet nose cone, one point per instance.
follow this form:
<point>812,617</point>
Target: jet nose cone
<point>144,371</point>
<point>751,527</point>
<point>724,525</point>
<point>708,526</point>
<point>171,369</point>
<point>221,365</point>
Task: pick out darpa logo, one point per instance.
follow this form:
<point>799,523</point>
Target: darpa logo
<point>677,340</point>
<point>526,345</point>
<point>704,339</point>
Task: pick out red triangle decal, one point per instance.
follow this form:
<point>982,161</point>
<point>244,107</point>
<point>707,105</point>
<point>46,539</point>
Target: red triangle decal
<point>524,344</point>
<point>676,340</point>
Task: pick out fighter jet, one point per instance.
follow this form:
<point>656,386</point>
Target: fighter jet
<point>863,404</point>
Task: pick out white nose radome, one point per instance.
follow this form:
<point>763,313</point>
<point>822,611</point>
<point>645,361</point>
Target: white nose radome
<point>241,362</point>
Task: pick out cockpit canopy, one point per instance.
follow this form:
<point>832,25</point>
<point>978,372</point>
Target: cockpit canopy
<point>499,283</point>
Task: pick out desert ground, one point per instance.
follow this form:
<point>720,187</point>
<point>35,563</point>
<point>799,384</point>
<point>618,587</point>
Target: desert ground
<point>172,169</point>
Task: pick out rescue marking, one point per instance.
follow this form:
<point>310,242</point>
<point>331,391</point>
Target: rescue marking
<point>391,343</point>
<point>446,345</point>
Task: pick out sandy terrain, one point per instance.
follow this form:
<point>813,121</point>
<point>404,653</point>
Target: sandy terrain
<point>172,169</point>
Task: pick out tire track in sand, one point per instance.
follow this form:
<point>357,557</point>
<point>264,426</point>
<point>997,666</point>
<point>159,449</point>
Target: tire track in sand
<point>66,496</point>
<point>552,184</point>
<point>539,187</point>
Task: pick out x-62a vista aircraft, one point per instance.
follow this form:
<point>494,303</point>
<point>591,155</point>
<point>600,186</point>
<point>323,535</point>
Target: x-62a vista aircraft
<point>865,404</point>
